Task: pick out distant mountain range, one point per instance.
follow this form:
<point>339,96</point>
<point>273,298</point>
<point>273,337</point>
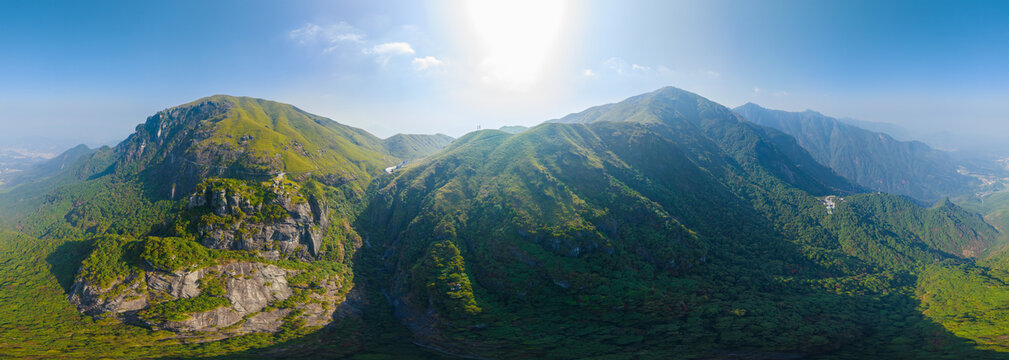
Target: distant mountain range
<point>872,159</point>
<point>40,168</point>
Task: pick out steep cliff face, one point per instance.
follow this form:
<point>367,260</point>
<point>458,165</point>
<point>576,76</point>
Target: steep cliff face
<point>229,299</point>
<point>166,148</point>
<point>272,217</point>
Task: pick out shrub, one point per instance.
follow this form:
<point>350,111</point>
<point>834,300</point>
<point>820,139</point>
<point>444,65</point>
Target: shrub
<point>173,254</point>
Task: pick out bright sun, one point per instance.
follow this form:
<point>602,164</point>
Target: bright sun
<point>516,38</point>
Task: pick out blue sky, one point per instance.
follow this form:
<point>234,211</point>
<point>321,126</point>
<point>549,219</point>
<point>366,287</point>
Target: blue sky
<point>94,70</point>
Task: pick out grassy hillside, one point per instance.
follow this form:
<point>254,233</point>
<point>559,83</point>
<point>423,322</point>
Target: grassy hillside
<point>415,146</point>
<point>245,137</point>
<point>664,226</point>
<point>681,232</point>
<point>513,129</point>
<point>701,123</point>
<point>133,186</point>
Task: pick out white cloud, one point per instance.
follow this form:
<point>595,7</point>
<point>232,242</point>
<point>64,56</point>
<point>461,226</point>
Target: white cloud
<point>329,35</point>
<point>758,91</point>
<point>589,73</point>
<point>623,68</point>
<point>305,33</point>
<point>393,48</point>
<point>637,67</point>
<point>616,64</point>
<point>427,62</point>
<point>384,52</point>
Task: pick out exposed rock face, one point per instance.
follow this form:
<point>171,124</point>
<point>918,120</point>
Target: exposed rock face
<point>299,232</point>
<point>250,289</point>
<point>165,147</point>
<point>92,300</point>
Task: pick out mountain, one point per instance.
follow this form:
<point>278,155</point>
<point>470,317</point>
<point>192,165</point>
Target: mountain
<point>662,226</point>
<point>219,218</point>
<point>873,160</point>
<point>687,113</point>
<point>246,137</point>
<point>896,131</point>
<point>513,129</point>
<point>46,168</point>
<point>415,146</point>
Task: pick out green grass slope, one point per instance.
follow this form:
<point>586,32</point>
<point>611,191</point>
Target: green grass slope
<point>415,146</point>
<point>680,232</point>
<point>246,137</point>
<point>135,183</point>
<point>687,115</point>
<point>664,226</point>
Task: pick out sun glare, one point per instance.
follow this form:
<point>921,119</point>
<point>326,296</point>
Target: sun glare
<point>515,39</point>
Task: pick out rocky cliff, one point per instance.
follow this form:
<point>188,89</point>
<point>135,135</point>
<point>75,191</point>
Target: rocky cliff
<point>273,217</point>
<point>230,299</point>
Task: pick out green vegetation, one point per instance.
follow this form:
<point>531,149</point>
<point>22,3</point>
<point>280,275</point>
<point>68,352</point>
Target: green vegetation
<point>681,232</point>
<point>873,160</point>
<point>213,285</point>
<point>107,205</point>
<point>415,146</point>
<point>302,142</point>
<point>174,254</point>
<point>968,300</point>
<point>37,322</point>
<point>513,129</point>
<point>441,274</point>
<point>664,226</point>
<point>110,261</point>
<point>269,213</point>
<point>180,309</point>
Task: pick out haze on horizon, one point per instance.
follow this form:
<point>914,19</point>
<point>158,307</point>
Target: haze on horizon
<point>93,71</point>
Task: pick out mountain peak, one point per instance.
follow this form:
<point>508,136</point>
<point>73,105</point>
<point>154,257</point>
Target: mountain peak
<point>749,106</point>
<point>238,136</point>
<point>663,105</point>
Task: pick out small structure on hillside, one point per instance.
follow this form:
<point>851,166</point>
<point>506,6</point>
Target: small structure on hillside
<point>830,202</point>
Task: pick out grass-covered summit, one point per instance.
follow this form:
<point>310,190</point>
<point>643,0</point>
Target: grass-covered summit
<point>246,137</point>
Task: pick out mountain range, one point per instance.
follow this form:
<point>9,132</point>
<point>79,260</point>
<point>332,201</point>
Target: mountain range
<point>662,226</point>
<point>872,159</point>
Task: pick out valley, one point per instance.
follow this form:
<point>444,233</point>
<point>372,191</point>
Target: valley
<point>665,225</point>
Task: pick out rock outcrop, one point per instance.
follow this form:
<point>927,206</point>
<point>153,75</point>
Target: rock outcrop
<point>285,222</point>
<point>252,290</point>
